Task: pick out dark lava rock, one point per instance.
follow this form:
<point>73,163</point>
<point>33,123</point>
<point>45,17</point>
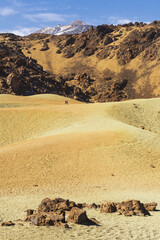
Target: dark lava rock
<point>132,207</point>
<point>7,224</point>
<point>135,43</point>
<point>20,75</point>
<point>51,212</point>
<point>108,207</point>
<point>150,206</point>
<point>47,219</point>
<point>45,47</point>
<point>53,205</point>
<point>107,40</point>
<point>79,216</point>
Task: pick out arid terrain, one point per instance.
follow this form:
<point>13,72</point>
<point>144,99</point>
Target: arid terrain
<point>84,152</point>
<point>105,64</point>
<point>80,120</point>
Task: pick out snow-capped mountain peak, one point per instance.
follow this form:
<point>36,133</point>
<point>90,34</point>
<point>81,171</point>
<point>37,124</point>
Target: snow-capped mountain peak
<point>73,28</point>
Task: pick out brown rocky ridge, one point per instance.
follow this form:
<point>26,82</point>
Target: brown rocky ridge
<point>21,75</point>
<point>108,63</point>
<point>52,212</point>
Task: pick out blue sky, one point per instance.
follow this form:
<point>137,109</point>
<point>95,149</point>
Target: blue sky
<point>25,16</point>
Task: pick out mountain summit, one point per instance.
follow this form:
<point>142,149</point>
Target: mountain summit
<point>78,22</point>
<point>73,28</point>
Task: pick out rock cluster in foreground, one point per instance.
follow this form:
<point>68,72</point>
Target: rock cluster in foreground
<point>128,208</point>
<point>52,212</point>
<point>60,212</point>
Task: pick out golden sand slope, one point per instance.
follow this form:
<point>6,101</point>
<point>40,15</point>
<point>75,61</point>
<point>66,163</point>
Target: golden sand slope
<point>84,152</point>
<point>44,142</point>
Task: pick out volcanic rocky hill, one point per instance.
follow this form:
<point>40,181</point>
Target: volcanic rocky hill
<point>21,75</point>
<point>106,63</point>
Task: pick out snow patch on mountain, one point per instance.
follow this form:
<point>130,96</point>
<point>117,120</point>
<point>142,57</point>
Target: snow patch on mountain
<point>73,28</point>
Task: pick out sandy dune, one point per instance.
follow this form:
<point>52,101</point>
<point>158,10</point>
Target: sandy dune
<point>85,152</point>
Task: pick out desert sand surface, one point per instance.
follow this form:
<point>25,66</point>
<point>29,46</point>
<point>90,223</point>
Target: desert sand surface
<point>82,152</point>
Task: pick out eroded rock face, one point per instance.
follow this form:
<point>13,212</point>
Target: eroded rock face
<point>52,212</point>
<point>150,206</point>
<point>132,207</point>
<point>108,207</point>
<point>115,91</point>
<point>82,81</point>
<point>14,82</point>
<point>87,42</point>
<point>47,219</point>
<point>135,43</point>
<point>54,205</point>
<point>21,75</point>
<point>77,215</point>
<point>128,208</point>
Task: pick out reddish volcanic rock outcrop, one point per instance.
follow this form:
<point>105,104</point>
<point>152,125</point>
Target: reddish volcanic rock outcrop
<point>108,207</point>
<point>52,212</point>
<point>128,208</point>
<point>150,206</point>
<point>132,207</point>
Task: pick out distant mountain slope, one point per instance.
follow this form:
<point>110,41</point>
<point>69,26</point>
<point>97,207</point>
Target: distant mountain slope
<point>104,64</point>
<point>73,28</point>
